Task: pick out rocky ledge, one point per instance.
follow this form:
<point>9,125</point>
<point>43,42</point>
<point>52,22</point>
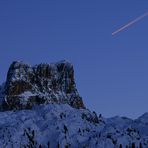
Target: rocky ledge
<point>27,86</point>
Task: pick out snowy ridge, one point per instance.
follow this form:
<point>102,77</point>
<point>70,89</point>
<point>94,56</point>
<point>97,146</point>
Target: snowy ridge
<point>60,125</point>
<point>40,126</point>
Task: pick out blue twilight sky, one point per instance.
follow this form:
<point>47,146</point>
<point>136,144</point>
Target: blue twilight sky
<point>111,72</point>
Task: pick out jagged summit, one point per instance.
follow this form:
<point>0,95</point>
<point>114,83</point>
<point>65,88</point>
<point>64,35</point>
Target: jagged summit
<point>44,83</point>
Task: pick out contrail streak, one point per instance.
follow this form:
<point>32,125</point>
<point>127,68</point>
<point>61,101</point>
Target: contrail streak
<point>130,23</point>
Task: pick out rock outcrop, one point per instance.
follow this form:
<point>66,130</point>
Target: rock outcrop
<point>27,86</point>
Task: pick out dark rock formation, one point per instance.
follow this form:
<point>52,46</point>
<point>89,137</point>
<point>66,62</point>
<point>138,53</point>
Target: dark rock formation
<point>44,83</point>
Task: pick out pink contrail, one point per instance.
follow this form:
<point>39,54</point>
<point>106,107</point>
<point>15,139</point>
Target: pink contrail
<point>130,23</point>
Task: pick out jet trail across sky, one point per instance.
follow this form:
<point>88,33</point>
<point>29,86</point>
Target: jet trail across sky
<point>130,23</point>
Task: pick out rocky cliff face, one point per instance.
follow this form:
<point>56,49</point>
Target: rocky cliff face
<point>27,86</point>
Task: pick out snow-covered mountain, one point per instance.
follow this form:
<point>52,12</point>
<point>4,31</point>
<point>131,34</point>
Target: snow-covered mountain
<point>41,108</point>
<point>41,84</point>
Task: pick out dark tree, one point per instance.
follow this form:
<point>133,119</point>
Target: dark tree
<point>65,129</point>
<point>140,145</point>
<point>133,145</point>
<point>120,146</point>
<point>48,144</point>
<point>58,145</point>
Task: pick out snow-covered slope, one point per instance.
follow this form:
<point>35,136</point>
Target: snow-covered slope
<point>47,125</point>
<point>56,116</point>
<point>60,125</point>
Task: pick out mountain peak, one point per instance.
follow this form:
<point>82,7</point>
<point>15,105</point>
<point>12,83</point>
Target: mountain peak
<point>41,84</point>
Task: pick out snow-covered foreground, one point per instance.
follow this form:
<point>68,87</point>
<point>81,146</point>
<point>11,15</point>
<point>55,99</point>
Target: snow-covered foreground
<point>59,125</point>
